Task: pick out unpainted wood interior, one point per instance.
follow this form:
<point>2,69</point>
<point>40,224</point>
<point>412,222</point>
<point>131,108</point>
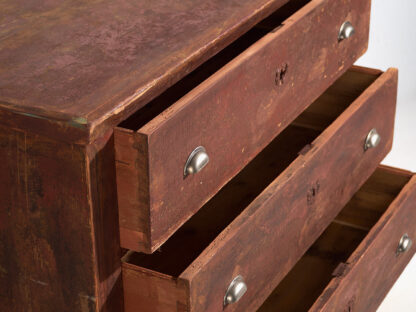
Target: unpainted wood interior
<point>332,102</point>
<point>201,73</point>
<point>307,280</point>
<point>197,233</point>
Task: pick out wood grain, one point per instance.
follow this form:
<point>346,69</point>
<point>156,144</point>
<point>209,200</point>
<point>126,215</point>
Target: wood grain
<point>283,207</point>
<point>93,63</point>
<point>46,249</point>
<point>328,261</point>
<point>59,241</point>
<point>378,250</point>
<point>234,114</point>
<point>102,198</point>
<point>300,288</point>
<point>195,235</point>
<point>314,187</point>
<point>149,292</point>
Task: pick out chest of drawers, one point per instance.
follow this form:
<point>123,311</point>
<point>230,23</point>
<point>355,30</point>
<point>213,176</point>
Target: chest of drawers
<point>197,156</point>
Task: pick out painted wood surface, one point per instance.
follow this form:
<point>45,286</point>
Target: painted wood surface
<point>372,269</point>
<point>91,64</point>
<point>234,114</point>
<point>46,253</point>
<point>59,241</point>
<point>351,266</point>
<point>314,187</point>
<point>69,72</point>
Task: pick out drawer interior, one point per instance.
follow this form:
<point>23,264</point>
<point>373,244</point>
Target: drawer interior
<point>316,268</point>
<point>201,73</point>
<point>196,234</point>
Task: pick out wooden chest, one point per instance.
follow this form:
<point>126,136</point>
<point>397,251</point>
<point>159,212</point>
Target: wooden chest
<point>197,156</point>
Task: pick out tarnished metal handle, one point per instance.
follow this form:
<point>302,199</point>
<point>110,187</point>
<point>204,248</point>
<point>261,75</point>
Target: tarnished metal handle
<point>346,31</point>
<point>235,291</point>
<point>372,139</point>
<point>196,161</point>
<point>404,244</point>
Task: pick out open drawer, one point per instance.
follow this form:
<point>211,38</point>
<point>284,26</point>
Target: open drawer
<point>355,262</point>
<point>226,112</point>
<point>261,223</point>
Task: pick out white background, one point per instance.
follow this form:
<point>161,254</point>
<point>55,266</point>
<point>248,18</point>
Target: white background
<point>393,44</point>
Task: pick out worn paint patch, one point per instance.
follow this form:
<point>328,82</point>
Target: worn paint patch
<point>87,303</point>
<point>39,282</point>
<point>33,115</point>
<point>79,122</point>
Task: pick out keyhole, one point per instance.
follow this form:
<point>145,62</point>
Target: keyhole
<point>312,192</point>
<point>350,305</point>
<point>280,75</point>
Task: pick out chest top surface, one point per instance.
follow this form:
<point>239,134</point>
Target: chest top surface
<point>90,60</point>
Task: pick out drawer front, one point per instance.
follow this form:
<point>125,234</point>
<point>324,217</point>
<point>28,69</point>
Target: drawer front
<point>233,114</point>
<point>267,239</point>
<point>269,236</point>
<point>356,260</point>
<point>363,282</point>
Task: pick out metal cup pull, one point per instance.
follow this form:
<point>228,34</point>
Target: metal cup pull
<point>196,161</point>
<point>372,139</point>
<point>346,31</point>
<point>235,291</point>
<point>404,244</point>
